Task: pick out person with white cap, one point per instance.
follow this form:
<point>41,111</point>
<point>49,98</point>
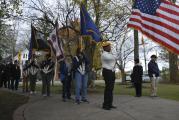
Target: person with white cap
<point>108,71</point>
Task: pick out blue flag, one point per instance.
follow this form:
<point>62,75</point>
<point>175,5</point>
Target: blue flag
<point>88,27</point>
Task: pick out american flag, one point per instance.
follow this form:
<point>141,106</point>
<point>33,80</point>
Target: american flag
<point>158,20</point>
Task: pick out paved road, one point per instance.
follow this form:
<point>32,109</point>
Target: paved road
<point>128,108</point>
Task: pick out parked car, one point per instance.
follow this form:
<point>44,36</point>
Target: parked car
<point>145,78</point>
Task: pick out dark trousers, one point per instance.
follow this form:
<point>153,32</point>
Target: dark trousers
<point>8,83</point>
<point>1,81</point>
<point>12,84</point>
<point>46,78</point>
<point>32,82</point>
<point>138,89</point>
<point>66,87</point>
<point>16,83</point>
<point>109,78</point>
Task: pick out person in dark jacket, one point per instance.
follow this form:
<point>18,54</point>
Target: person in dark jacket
<point>137,77</point>
<point>154,73</point>
<point>66,77</point>
<point>16,75</point>
<point>47,70</point>
<point>6,76</point>
<point>2,68</point>
<point>11,75</point>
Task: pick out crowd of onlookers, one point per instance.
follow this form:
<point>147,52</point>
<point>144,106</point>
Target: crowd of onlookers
<point>10,75</point>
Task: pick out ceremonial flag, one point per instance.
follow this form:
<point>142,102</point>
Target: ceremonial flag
<point>19,56</point>
<point>88,27</point>
<point>56,43</point>
<point>158,20</point>
<point>37,41</point>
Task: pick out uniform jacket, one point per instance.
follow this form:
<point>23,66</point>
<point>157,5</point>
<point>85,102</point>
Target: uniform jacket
<point>47,66</point>
<point>137,73</point>
<point>153,69</point>
<point>33,68</point>
<point>16,72</point>
<point>81,64</point>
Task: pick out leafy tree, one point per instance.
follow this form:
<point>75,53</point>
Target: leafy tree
<point>9,10</point>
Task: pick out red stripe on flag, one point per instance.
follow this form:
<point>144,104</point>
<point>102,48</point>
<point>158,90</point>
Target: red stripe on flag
<point>173,49</point>
<point>169,3</point>
<point>157,22</point>
<point>173,39</point>
<point>167,18</point>
<point>169,10</point>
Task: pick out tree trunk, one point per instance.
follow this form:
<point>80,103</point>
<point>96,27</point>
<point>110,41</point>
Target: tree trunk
<point>136,44</point>
<point>123,75</point>
<point>174,72</point>
<point>173,59</point>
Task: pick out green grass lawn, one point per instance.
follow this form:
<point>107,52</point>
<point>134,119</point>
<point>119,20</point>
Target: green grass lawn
<point>10,102</point>
<point>168,91</point>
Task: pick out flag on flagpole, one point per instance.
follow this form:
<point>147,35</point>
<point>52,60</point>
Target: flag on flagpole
<point>158,20</point>
<point>56,43</point>
<point>88,27</point>
<point>37,42</point>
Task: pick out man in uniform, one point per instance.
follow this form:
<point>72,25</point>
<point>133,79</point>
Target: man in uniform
<point>11,72</point>
<point>154,73</point>
<point>16,74</point>
<point>66,77</point>
<point>33,70</point>
<point>137,77</point>
<point>47,68</point>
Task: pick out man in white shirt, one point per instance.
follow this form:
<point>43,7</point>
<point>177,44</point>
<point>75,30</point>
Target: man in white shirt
<point>108,65</point>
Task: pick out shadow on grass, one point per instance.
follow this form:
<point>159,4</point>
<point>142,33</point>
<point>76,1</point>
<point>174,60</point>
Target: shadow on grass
<point>9,102</point>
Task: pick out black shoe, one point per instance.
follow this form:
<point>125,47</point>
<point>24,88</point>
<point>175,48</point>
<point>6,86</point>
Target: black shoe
<point>69,98</point>
<point>106,108</point>
<point>113,107</point>
<point>77,102</point>
<point>64,100</point>
<point>85,100</point>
